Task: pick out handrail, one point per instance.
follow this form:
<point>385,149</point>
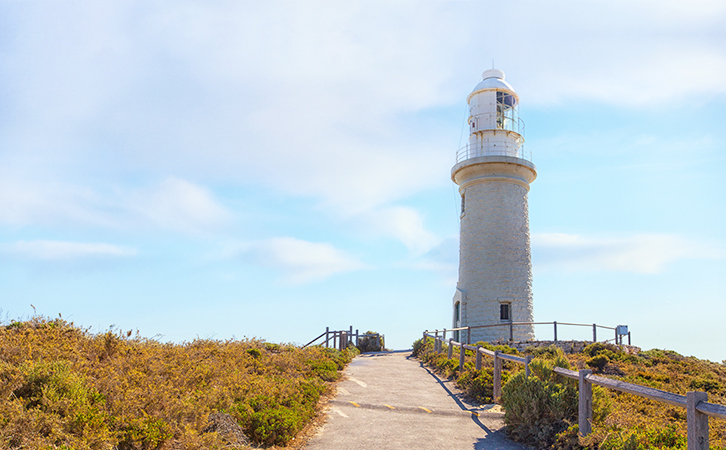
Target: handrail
<point>321,335</point>
<point>698,409</point>
<point>512,324</point>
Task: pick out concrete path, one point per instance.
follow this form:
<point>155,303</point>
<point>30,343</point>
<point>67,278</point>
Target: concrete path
<point>389,400</point>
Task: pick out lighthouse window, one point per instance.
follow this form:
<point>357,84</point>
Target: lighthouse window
<point>506,111</point>
<point>463,204</point>
<point>505,310</point>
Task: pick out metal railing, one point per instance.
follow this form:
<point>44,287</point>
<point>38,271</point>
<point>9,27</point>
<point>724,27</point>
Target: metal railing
<point>508,121</point>
<point>618,339</point>
<point>470,151</point>
<point>698,410</point>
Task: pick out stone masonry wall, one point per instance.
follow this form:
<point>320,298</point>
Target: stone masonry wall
<point>495,260</point>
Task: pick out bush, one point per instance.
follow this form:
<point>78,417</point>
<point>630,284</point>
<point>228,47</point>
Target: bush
<point>63,387</point>
<point>540,406</point>
<point>368,343</point>
<point>549,352</point>
<point>598,362</point>
<point>479,384</point>
<point>665,438</point>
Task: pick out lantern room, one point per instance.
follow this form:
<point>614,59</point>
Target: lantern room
<point>494,124</point>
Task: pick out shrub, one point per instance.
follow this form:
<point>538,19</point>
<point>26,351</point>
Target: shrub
<point>368,343</point>
<point>549,352</point>
<point>420,347</point>
<point>540,406</point>
<point>663,437</point>
<point>326,370</point>
<point>598,362</point>
<point>63,387</point>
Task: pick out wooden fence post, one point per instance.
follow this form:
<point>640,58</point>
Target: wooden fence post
<point>461,359</point>
<point>594,333</point>
<point>527,360</point>
<point>478,357</point>
<point>468,335</point>
<point>357,337</point>
<point>629,338</point>
<point>497,377</point>
<point>555,323</point>
<point>697,421</point>
<point>616,336</point>
<point>436,342</point>
<point>451,348</point>
<point>327,338</point>
<point>585,404</point>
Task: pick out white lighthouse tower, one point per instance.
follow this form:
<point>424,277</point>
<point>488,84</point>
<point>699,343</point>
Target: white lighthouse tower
<point>493,173</point>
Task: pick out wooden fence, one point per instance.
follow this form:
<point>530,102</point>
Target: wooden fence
<point>698,409</point>
<point>339,339</point>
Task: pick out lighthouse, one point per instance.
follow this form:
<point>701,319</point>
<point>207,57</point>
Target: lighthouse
<point>494,172</point>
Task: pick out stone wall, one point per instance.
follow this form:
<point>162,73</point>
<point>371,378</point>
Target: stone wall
<point>494,252</point>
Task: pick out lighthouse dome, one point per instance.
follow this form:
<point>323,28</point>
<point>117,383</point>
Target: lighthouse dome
<point>493,79</point>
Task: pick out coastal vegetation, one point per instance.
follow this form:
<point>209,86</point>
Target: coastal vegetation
<point>541,410</point>
<point>63,387</point>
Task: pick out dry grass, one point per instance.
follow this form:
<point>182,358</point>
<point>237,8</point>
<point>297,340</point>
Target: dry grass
<point>63,387</point>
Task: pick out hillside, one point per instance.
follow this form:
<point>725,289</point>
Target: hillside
<point>622,421</point>
<point>62,387</point>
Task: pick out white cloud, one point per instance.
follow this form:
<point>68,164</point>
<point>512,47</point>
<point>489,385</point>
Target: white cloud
<point>402,223</point>
<point>301,261</point>
<point>64,251</point>
<point>643,253</point>
<point>173,204</point>
<point>179,205</point>
<point>327,99</point>
<point>442,259</point>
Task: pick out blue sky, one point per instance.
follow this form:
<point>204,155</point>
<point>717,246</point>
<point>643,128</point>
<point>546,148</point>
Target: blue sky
<point>267,169</point>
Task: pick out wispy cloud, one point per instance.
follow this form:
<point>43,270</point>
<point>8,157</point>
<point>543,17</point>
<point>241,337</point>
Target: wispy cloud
<point>300,261</point>
<point>178,205</point>
<point>642,253</point>
<point>402,223</point>
<point>172,204</point>
<point>442,259</point>
<point>60,251</point>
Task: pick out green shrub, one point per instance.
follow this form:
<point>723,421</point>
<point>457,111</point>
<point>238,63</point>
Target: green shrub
<point>598,362</point>
<point>368,343</point>
<point>540,406</point>
<point>326,370</point>
<point>665,438</point>
<point>420,347</point>
<point>549,352</point>
<point>479,384</point>
<point>144,433</point>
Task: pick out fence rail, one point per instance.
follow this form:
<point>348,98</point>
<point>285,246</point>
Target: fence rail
<point>340,338</point>
<point>617,339</point>
<point>698,410</point>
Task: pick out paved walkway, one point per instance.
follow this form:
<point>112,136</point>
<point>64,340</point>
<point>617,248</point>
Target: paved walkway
<point>389,400</point>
